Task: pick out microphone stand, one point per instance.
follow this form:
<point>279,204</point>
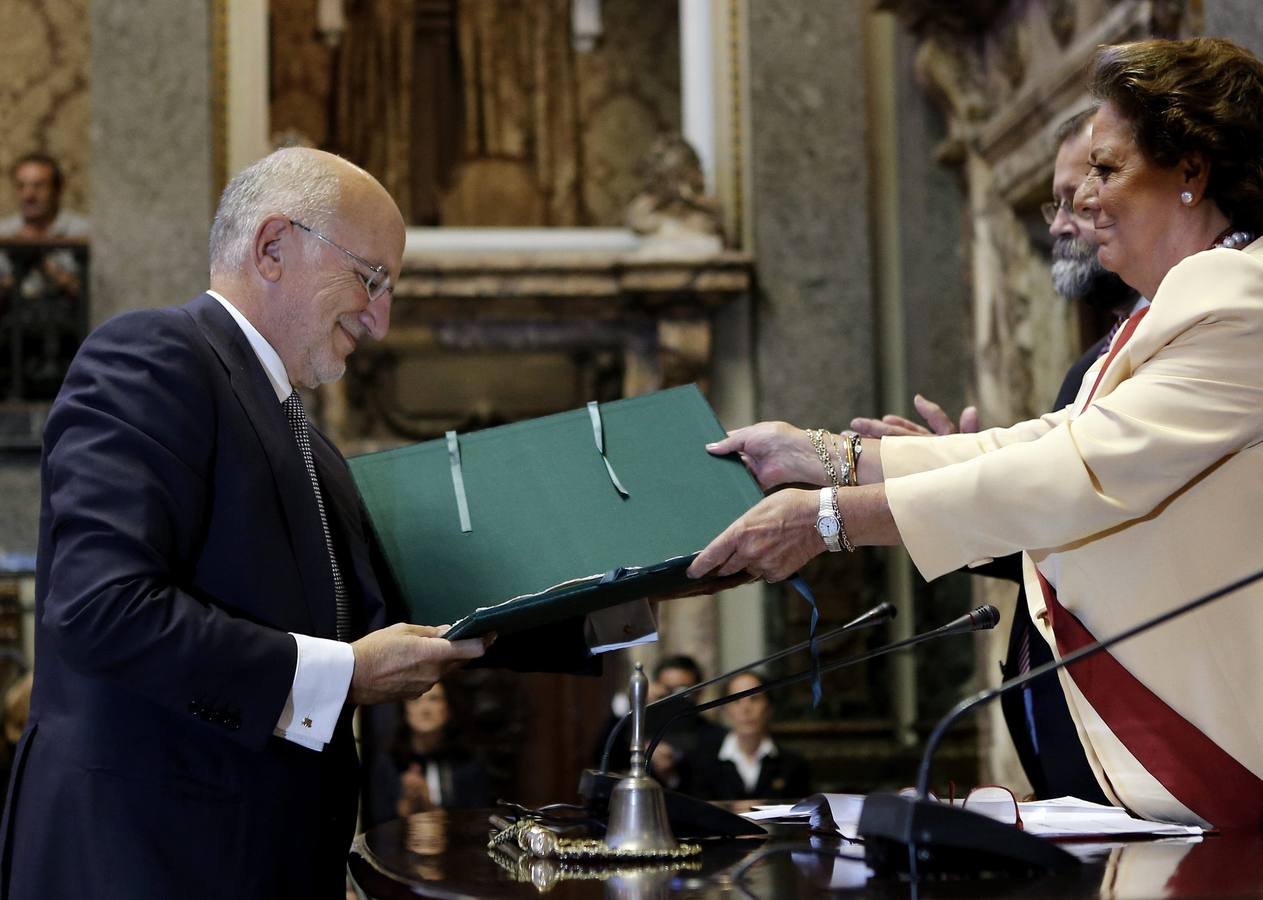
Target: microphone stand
<point>693,818</point>
<point>878,615</point>
<point>943,838</point>
<point>980,619</point>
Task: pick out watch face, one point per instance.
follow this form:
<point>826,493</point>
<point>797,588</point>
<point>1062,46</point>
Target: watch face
<point>827,526</point>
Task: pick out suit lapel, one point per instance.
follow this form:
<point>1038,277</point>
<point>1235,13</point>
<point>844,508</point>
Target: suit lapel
<point>293,487</point>
<point>1119,364</point>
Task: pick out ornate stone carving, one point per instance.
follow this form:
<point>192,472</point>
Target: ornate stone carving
<point>923,17</point>
<point>631,321</point>
<point>1010,52</point>
<point>1172,18</point>
<point>44,92</point>
<point>673,202</point>
<point>1061,20</point>
<point>948,70</point>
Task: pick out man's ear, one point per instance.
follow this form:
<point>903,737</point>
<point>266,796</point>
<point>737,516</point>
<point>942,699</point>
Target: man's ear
<point>1195,171</point>
<point>267,254</point>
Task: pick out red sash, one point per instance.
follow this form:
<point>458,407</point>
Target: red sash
<point>1196,770</point>
<point>1123,336</point>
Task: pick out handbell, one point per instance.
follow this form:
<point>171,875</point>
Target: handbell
<point>638,809</point>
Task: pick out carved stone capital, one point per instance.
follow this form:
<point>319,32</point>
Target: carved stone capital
<point>923,17</point>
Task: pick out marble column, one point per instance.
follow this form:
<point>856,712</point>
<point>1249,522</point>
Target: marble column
<point>153,189</point>
<point>815,344</point>
<point>809,193</point>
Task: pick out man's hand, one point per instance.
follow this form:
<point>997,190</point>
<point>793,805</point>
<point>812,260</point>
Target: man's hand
<point>405,661</point>
<point>772,541</point>
<point>776,453</point>
<point>940,422</point>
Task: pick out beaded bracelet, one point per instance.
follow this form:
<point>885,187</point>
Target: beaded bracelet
<point>842,536</point>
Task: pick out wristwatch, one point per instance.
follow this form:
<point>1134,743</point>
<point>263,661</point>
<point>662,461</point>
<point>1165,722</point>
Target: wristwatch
<point>827,523</point>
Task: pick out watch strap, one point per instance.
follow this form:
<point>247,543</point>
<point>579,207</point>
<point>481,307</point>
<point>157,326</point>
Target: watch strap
<point>829,510</point>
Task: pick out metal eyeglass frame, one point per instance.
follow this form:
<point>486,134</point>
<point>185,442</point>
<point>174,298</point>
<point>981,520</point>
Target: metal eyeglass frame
<point>372,285</point>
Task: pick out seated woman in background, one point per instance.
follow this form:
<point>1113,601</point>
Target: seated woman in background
<point>434,769</point>
<point>1142,494</point>
<point>748,765</point>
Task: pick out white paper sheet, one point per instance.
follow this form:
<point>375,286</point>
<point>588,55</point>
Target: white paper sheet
<point>1064,817</point>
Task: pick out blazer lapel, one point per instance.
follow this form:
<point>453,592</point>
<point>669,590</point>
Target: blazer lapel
<point>1120,362</point>
<point>293,487</point>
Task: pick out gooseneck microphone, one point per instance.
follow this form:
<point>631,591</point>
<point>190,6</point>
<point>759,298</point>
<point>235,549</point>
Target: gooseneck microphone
<point>691,818</point>
<point>981,619</point>
<point>670,707</point>
<point>905,834</point>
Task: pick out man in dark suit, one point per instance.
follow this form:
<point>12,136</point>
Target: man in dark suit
<point>1039,722</point>
<point>206,605</point>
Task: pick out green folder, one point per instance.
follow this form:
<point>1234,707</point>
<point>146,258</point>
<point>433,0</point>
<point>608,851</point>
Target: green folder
<point>548,529</point>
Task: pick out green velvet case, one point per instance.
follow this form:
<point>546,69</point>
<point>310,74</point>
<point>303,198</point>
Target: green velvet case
<point>543,511</point>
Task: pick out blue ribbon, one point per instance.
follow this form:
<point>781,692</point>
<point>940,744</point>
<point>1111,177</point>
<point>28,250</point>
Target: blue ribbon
<point>801,586</point>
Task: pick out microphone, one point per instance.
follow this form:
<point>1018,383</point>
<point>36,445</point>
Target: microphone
<point>981,619</point>
<point>665,710</point>
<point>692,818</point>
<point>903,834</point>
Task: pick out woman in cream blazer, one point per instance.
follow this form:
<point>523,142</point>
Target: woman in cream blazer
<point>1143,493</point>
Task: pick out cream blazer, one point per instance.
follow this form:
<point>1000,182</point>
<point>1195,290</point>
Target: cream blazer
<point>1146,497</point>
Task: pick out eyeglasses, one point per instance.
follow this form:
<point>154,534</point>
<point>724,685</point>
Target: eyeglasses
<point>375,284</point>
<point>991,800</point>
<point>1052,207</point>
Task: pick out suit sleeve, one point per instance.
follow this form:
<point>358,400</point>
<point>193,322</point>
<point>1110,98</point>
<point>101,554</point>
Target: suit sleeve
<point>1194,401</point>
<point>128,455</point>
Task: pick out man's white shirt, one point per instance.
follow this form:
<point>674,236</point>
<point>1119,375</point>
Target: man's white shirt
<point>322,674</point>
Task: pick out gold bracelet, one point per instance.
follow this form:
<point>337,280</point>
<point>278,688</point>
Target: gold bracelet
<point>816,436</point>
<point>857,447</point>
<point>852,477</point>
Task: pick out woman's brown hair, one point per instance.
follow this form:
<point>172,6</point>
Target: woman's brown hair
<point>1202,95</point>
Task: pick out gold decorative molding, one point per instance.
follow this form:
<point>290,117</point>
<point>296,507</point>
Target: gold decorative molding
<point>219,98</point>
<point>736,216</point>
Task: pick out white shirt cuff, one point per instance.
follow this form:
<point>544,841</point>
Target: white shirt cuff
<point>322,679</point>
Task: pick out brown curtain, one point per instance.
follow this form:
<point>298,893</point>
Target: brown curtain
<point>397,99</point>
<point>464,109</point>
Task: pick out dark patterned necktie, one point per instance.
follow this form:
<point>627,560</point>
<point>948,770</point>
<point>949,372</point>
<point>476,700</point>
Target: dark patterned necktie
<point>1113,333</point>
<point>297,418</point>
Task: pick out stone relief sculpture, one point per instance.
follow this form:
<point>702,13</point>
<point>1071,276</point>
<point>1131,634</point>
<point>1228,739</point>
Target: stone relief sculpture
<point>673,205</point>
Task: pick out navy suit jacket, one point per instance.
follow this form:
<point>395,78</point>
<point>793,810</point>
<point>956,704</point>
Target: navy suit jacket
<point>179,543</point>
<point>781,777</point>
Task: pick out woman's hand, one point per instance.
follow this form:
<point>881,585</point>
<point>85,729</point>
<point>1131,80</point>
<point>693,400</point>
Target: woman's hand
<point>414,791</point>
<point>776,453</point>
<point>772,541</point>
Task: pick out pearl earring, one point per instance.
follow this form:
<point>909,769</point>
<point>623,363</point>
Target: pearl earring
<point>1186,197</point>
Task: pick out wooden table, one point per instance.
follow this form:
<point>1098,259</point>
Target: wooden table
<point>443,854</point>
